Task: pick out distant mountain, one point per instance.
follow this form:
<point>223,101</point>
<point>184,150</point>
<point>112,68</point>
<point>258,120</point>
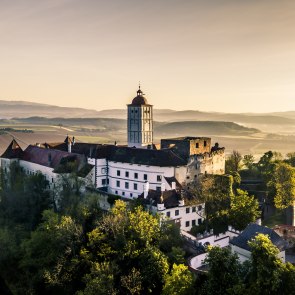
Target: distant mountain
<point>290,114</point>
<point>22,109</point>
<point>277,122</point>
<point>202,128</point>
<point>161,129</point>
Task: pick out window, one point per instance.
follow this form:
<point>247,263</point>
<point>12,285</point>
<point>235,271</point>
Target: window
<point>197,145</point>
<point>144,176</point>
<point>194,209</point>
<point>176,212</point>
<point>123,193</point>
<point>116,192</point>
<point>193,222</point>
<point>200,208</point>
<point>131,195</point>
<point>199,221</point>
<point>126,184</point>
<point>168,214</point>
<point>159,177</point>
<point>118,172</point>
<point>103,170</point>
<point>136,175</point>
<point>135,186</point>
<point>126,174</point>
<point>118,183</point>
<point>103,181</point>
<point>158,188</point>
<point>205,143</point>
<point>187,210</point>
<point>187,223</point>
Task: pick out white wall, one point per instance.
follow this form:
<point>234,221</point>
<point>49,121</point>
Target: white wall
<point>32,168</point>
<point>197,261</point>
<point>151,171</point>
<point>185,219</point>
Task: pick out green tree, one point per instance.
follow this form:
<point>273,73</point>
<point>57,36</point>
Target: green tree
<point>132,282</point>
<point>47,255</point>
<point>24,198</point>
<point>130,239</point>
<point>266,165</point>
<point>248,161</point>
<point>233,162</point>
<point>243,210</point>
<point>224,271</point>
<point>215,192</point>
<point>284,182</point>
<point>267,269</point>
<point>291,159</point>
<point>180,281</point>
<point>100,281</point>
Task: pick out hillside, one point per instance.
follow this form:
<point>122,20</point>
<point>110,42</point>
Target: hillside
<point>202,128</point>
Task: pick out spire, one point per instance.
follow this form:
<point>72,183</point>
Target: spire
<point>139,92</point>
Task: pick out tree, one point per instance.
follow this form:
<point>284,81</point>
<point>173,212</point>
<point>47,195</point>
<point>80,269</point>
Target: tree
<point>266,268</point>
<point>233,162</point>
<point>215,192</point>
<point>224,271</point>
<point>248,161</point>
<point>132,241</point>
<point>284,182</point>
<point>24,197</point>
<point>243,210</point>
<point>47,255</point>
<point>291,159</point>
<point>100,281</point>
<point>266,165</point>
<point>180,281</point>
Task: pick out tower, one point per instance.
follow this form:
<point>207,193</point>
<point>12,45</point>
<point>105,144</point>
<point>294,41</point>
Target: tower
<point>140,122</point>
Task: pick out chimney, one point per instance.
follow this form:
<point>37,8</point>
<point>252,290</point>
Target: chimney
<point>160,206</point>
<point>173,186</point>
<point>69,147</point>
<point>146,187</point>
<point>74,140</point>
<point>181,201</point>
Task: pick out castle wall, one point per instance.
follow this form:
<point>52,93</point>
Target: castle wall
<point>207,163</point>
<point>188,146</point>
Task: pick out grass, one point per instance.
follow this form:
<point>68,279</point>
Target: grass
<point>277,218</point>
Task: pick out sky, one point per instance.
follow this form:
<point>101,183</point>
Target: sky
<point>207,55</point>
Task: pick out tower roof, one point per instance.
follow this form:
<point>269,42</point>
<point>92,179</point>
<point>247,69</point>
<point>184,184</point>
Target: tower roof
<point>13,151</point>
<point>139,99</point>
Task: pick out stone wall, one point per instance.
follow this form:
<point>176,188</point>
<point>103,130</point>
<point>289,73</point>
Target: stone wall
<point>188,146</point>
<point>207,163</point>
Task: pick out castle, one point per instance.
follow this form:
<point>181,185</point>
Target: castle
<point>138,170</point>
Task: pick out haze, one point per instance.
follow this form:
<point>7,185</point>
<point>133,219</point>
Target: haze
<point>217,55</point>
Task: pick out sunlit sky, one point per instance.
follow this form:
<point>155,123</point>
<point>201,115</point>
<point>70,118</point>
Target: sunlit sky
<point>208,55</point>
